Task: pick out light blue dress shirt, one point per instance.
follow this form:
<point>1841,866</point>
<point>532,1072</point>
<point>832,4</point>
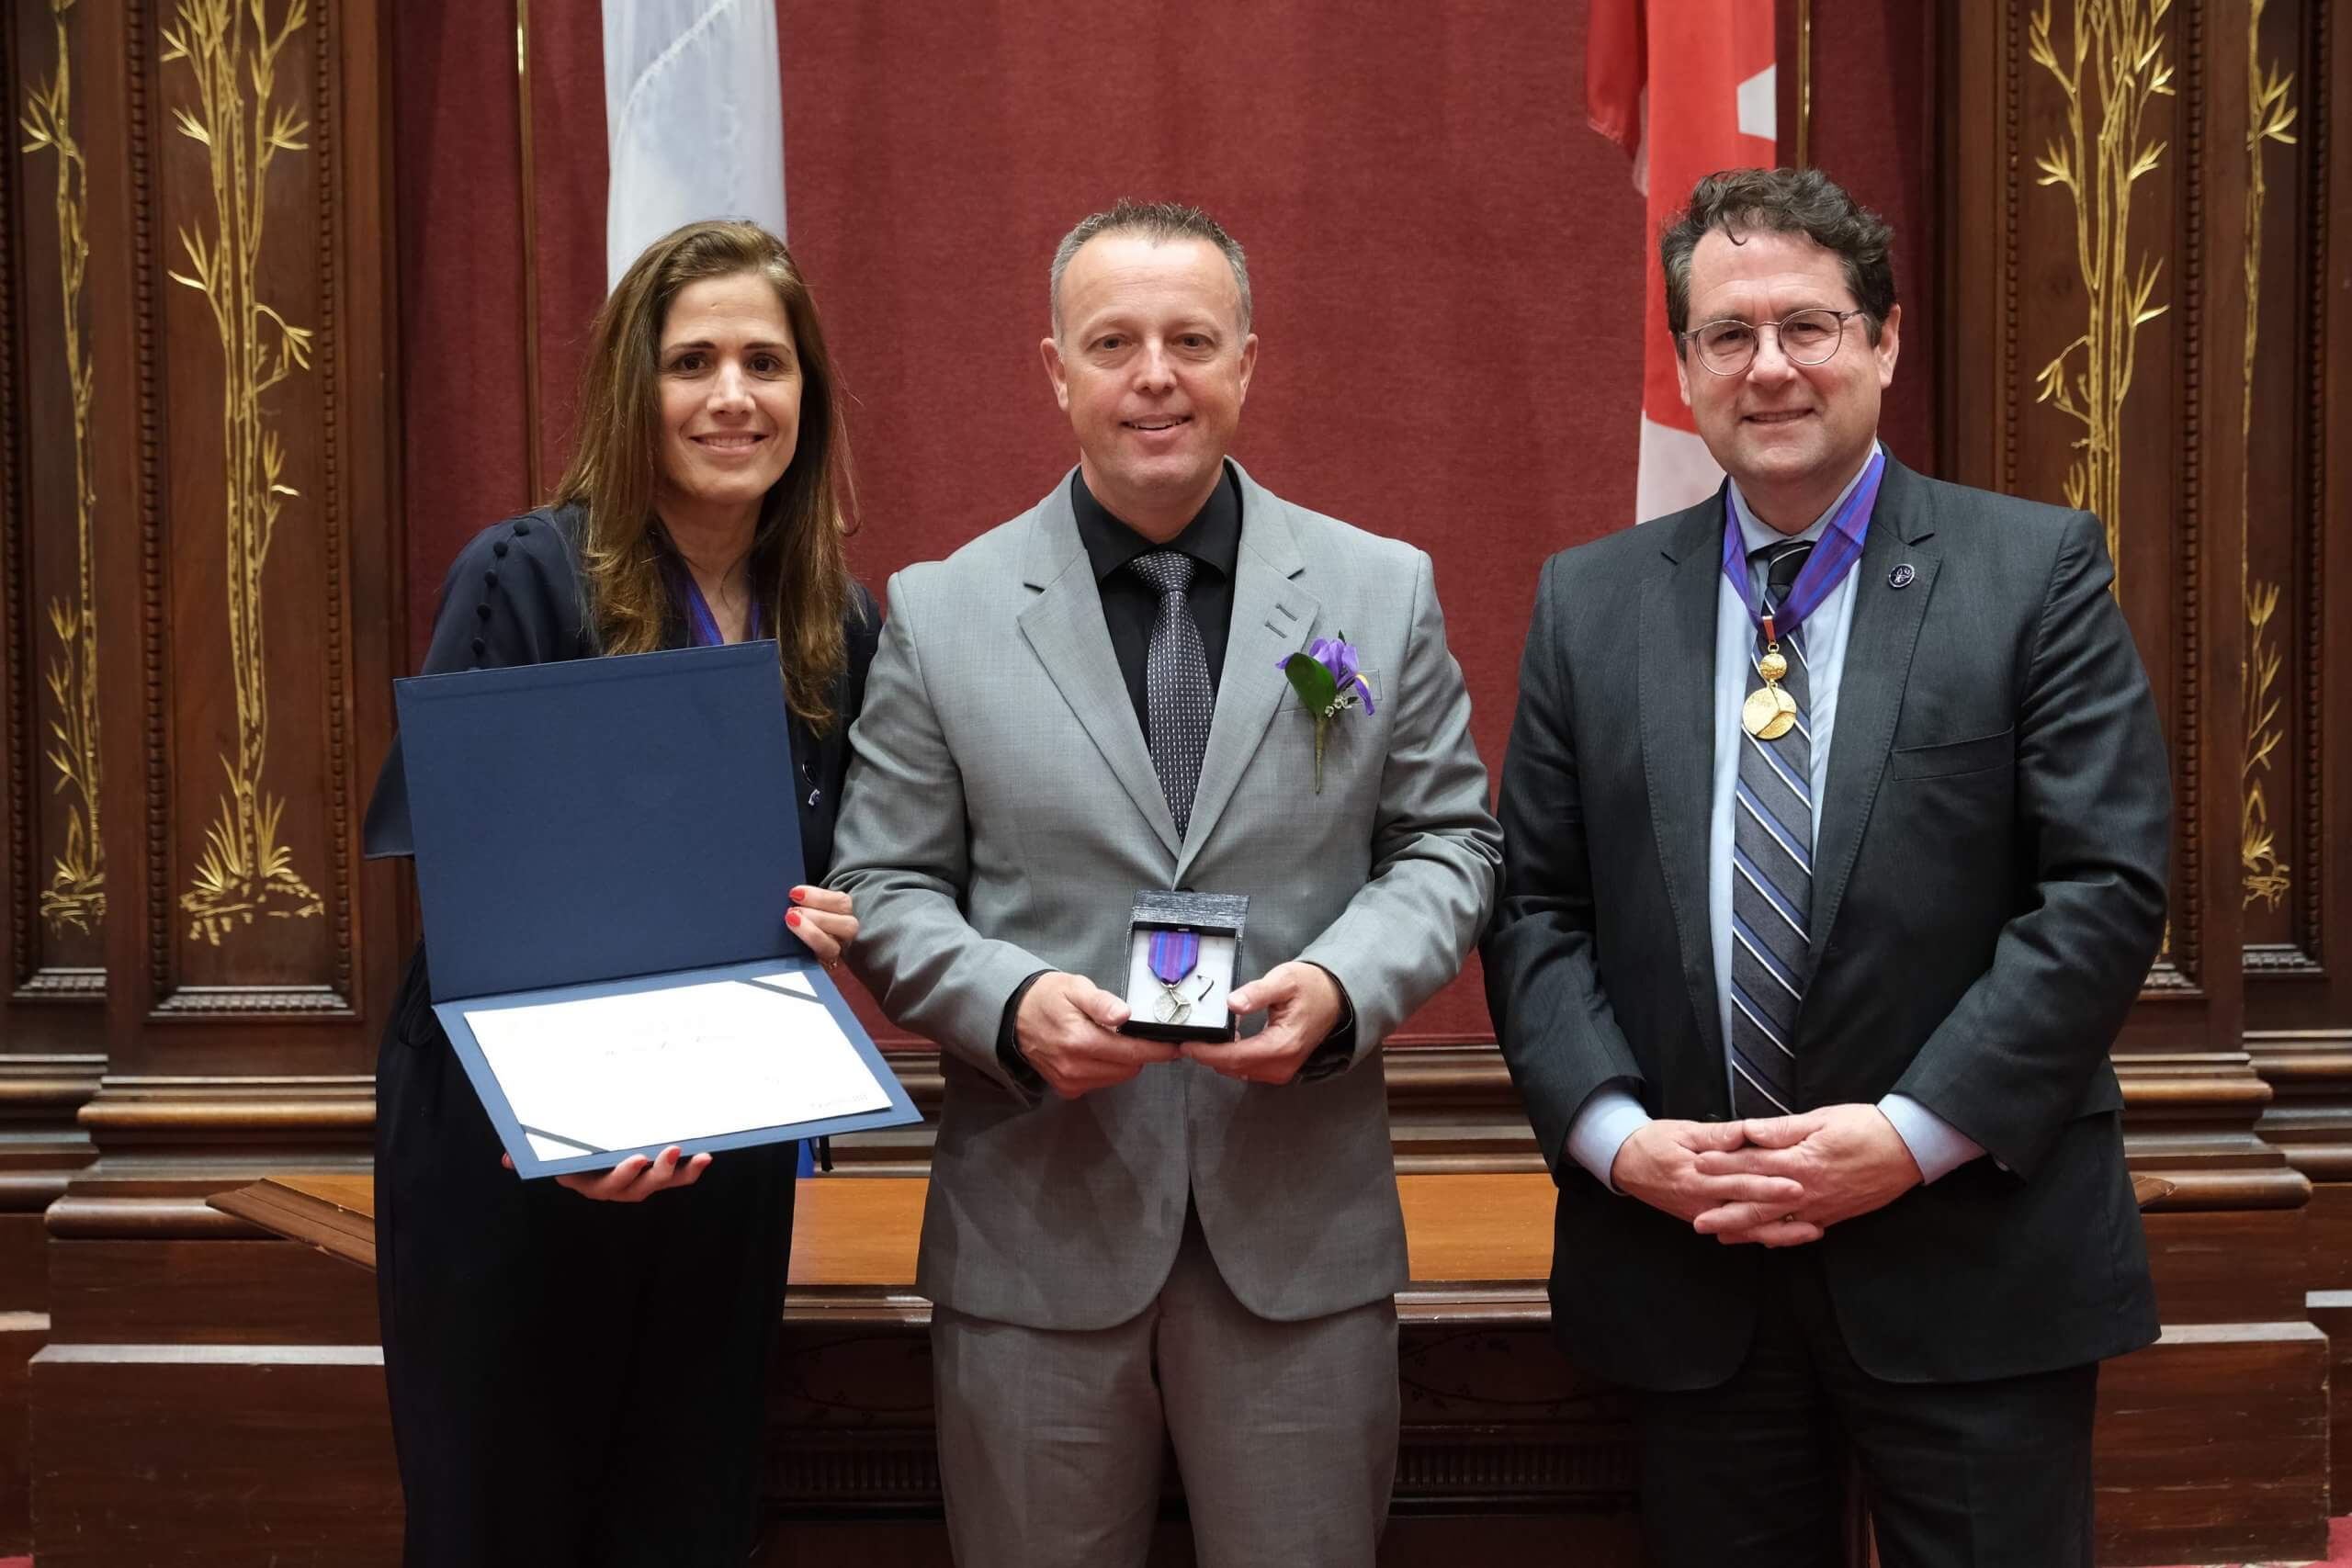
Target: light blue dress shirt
<point>1612,1115</point>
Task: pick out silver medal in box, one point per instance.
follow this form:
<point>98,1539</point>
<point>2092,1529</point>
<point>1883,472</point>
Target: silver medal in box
<point>1181,947</point>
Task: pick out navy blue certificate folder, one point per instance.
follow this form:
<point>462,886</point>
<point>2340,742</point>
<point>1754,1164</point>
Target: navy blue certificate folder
<point>599,826</point>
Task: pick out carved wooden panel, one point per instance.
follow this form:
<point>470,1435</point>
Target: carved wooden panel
<point>2298,840</point>
<point>208,552</point>
<point>2295,947</point>
<point>249,876</point>
<point>198,575</point>
<point>48,381</point>
<point>2096,157</point>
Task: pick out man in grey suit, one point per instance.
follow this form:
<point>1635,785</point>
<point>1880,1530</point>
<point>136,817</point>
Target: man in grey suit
<point>1125,1237</point>
<point>1838,829</point>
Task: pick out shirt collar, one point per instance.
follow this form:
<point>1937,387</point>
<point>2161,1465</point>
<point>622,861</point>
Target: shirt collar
<point>1212,538</point>
<point>1761,536</point>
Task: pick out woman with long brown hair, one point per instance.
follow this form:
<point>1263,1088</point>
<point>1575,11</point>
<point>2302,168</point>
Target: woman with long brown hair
<point>577,1375</point>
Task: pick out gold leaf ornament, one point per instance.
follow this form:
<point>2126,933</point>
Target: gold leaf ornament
<point>231,54</point>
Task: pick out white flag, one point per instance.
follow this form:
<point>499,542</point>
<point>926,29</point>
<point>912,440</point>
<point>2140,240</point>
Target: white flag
<point>694,107</point>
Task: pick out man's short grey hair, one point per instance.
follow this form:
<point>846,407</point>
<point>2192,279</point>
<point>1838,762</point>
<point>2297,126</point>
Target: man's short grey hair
<point>1157,221</point>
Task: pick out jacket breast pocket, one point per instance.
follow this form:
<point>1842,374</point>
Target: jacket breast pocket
<point>1954,758</point>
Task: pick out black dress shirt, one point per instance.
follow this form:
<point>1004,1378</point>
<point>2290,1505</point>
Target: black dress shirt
<point>1213,539</point>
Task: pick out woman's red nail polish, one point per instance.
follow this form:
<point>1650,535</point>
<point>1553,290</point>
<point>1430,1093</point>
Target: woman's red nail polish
<point>799,895</point>
<point>792,917</point>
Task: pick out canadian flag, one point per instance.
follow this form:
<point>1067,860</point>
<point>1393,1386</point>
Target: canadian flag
<point>1686,87</point>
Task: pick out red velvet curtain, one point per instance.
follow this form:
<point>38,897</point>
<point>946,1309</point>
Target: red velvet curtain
<point>1447,262</point>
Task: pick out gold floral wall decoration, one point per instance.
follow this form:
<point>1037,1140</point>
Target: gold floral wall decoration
<point>76,894</point>
<point>2270,118</point>
<point>2114,67</point>
<point>245,869</point>
<point>2265,878</point>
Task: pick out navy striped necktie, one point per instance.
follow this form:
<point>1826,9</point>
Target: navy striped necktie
<point>1771,895</point>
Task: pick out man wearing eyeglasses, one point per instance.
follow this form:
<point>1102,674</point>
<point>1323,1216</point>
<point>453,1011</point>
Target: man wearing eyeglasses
<point>1837,832</point>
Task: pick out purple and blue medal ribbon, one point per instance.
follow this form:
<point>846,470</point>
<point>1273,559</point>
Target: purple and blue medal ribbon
<point>1832,558</point>
<point>1173,955</point>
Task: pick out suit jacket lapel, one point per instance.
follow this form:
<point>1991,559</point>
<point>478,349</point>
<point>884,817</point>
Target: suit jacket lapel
<point>1273,616</point>
<point>1065,627</point>
<point>1878,646</point>
<point>1676,708</point>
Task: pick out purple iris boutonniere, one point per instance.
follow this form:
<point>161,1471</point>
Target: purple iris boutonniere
<point>1328,684</point>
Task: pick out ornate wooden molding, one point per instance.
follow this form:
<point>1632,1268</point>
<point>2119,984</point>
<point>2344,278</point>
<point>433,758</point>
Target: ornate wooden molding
<point>64,985</point>
<point>41,1144</point>
<point>2190,1119</point>
<point>2309,1120</point>
<point>2189,737</point>
<point>23,955</point>
<point>308,1003</point>
<point>2318,141</point>
<point>166,1143</point>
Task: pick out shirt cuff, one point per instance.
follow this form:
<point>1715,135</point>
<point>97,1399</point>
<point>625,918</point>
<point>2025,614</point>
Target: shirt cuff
<point>1610,1116</point>
<point>1339,1048</point>
<point>1937,1147</point>
<point>1008,1042</point>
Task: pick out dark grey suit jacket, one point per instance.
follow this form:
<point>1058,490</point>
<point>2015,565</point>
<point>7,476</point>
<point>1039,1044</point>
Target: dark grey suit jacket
<point>1992,867</point>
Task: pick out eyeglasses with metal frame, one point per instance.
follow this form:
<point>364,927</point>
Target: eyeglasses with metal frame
<point>1727,348</point>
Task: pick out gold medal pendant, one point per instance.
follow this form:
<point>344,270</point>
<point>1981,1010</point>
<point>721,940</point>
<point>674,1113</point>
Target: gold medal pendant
<point>1769,712</point>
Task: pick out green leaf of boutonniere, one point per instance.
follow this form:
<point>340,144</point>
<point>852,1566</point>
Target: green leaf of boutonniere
<point>1313,682</point>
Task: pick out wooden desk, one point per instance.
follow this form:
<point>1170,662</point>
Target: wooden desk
<point>335,1214</point>
<point>853,1235</point>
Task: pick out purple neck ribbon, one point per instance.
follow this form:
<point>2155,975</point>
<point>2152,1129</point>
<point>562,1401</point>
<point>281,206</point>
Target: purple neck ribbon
<point>1832,558</point>
<point>1173,954</point>
<point>702,626</point>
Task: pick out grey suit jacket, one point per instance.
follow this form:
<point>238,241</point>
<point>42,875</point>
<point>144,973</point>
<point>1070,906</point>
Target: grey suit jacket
<point>1001,812</point>
<point>1989,892</point>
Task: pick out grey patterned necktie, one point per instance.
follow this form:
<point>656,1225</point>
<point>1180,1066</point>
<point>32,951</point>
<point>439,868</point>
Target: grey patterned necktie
<point>1771,891</point>
<point>1176,682</point>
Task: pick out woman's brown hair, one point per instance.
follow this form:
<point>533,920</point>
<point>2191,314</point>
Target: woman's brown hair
<point>799,562</point>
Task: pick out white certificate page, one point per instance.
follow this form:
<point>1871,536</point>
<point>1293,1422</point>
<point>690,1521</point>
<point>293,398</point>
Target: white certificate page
<point>665,1067</point>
